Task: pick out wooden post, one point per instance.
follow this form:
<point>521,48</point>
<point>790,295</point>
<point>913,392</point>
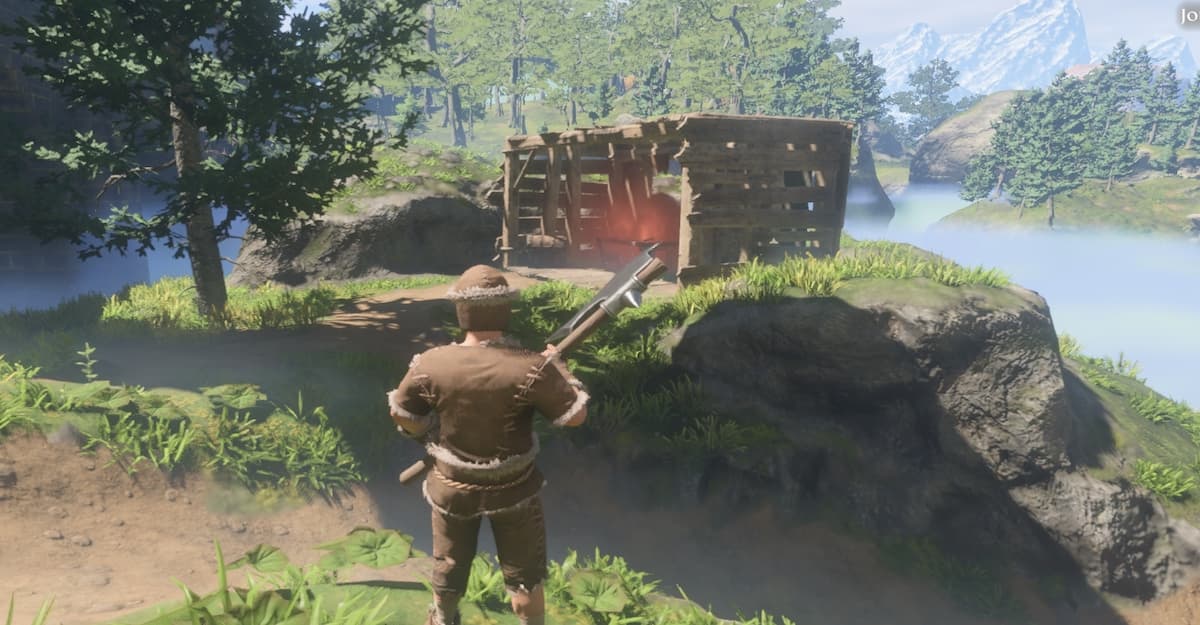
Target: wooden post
<point>575,208</point>
<point>512,209</point>
<point>692,251</point>
<point>550,225</point>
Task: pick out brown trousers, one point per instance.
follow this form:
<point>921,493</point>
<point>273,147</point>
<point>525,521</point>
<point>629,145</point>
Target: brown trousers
<point>520,534</point>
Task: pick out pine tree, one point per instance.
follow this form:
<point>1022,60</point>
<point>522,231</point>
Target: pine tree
<point>928,96</point>
<point>980,180</point>
<point>220,108</point>
<point>1162,103</point>
<point>1142,87</point>
<point>1189,113</point>
<point>1049,157</point>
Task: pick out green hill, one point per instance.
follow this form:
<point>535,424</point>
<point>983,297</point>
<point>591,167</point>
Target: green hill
<point>1156,205</point>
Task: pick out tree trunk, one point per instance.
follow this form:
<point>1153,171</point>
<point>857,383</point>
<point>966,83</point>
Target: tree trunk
<point>1153,132</point>
<point>456,115</point>
<point>1021,210</point>
<point>574,113</point>
<point>514,120</point>
<point>202,245</point>
<point>999,189</point>
<point>446,108</point>
<point>1191,134</point>
<point>1050,204</point>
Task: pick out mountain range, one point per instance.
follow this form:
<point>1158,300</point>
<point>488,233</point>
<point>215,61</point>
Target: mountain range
<point>1023,47</point>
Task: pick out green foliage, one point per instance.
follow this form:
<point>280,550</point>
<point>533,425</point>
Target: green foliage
<point>973,586</point>
<point>602,588</point>
<point>822,277</point>
<point>133,438</point>
<point>1158,409</point>
<point>711,437</point>
<point>927,98</point>
<point>42,615</point>
<point>485,586</point>
<point>1165,481</point>
<point>376,549</point>
<point>231,70</point>
<point>422,165</point>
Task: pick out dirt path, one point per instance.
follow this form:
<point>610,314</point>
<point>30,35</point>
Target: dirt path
<point>103,545</point>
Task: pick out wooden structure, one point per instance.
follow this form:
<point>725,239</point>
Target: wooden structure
<point>746,184</point>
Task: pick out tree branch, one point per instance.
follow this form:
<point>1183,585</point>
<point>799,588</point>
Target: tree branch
<point>133,173</point>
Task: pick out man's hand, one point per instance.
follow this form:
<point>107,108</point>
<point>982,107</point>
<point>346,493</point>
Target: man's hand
<point>551,352</point>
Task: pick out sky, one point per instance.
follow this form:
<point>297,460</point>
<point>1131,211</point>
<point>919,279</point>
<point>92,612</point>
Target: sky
<point>875,22</point>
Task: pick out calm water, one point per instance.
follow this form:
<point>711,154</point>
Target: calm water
<point>1114,293</point>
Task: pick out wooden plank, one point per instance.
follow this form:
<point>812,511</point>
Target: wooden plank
<point>759,197</point>
<point>713,156</point>
<point>763,218</point>
<point>535,201</point>
<point>767,130</point>
<point>644,132</point>
<point>575,191</point>
<point>793,236</point>
<point>590,166</point>
<point>553,183</point>
<point>691,242</point>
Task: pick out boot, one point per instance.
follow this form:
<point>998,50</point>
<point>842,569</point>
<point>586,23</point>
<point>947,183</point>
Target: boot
<point>435,619</point>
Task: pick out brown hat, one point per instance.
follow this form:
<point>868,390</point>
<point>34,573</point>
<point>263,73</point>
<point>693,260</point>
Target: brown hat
<point>482,299</point>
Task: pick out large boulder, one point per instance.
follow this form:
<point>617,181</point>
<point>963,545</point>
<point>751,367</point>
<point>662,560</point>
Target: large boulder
<point>1194,225</point>
<point>942,154</point>
<point>866,201</point>
<point>396,234</point>
<point>922,410</point>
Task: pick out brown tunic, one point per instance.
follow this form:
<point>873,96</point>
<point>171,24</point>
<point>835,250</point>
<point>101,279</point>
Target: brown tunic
<point>484,399</point>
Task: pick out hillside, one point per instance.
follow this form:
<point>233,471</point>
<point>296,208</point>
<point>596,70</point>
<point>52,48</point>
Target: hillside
<point>855,466</point>
<point>1154,205</point>
<point>943,154</point>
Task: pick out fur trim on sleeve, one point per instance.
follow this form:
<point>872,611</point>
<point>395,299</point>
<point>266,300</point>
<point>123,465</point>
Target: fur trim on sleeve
<point>398,410</point>
<point>581,399</point>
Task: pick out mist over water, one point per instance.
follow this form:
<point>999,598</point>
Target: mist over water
<point>1113,292</point>
<point>106,275</point>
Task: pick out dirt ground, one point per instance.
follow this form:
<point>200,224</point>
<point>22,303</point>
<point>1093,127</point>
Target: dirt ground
<point>104,545</point>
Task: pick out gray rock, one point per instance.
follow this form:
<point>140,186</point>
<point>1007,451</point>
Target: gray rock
<point>953,419</point>
<point>1194,225</point>
<point>1120,535</point>
<point>57,512</point>
<point>81,540</point>
<point>942,154</point>
<point>171,494</point>
<point>53,534</point>
<point>280,530</point>
<point>67,435</point>
<point>396,234</point>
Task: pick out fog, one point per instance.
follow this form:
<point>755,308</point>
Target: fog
<point>1114,293</point>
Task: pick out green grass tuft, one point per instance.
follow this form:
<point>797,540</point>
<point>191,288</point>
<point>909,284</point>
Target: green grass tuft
<point>1165,481</point>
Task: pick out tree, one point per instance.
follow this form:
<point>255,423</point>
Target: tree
<point>988,172</point>
<point>213,105</point>
<point>581,55</point>
<point>1162,102</point>
<point>1048,155</point>
<point>1190,110</point>
<point>979,183</point>
<point>928,96</point>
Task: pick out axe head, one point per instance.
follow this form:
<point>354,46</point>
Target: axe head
<point>620,292</point>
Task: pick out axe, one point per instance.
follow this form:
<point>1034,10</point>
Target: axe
<point>623,291</point>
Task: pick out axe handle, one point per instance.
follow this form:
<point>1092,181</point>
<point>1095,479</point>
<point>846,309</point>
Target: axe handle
<point>648,274</point>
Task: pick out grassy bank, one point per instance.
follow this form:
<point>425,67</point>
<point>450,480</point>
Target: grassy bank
<point>426,167</point>
<point>1157,205</point>
<point>892,173</point>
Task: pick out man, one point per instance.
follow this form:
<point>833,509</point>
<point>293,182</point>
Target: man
<point>483,393</point>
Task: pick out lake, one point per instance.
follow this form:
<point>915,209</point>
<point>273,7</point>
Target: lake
<point>1114,293</point>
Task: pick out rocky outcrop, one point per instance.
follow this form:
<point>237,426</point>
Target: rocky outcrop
<point>866,201</point>
<point>883,142</point>
<point>950,417</point>
<point>943,154</point>
<point>1194,225</point>
<point>395,234</point>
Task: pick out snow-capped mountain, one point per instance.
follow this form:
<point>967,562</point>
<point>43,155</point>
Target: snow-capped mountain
<point>1025,46</point>
<point>1174,50</point>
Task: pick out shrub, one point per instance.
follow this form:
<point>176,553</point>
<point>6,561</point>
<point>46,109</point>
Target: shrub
<point>1163,480</point>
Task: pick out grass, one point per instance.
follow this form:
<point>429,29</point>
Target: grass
<point>1156,439</point>
<point>423,166</point>
<point>235,433</point>
<point>892,173</point>
<point>1158,205</point>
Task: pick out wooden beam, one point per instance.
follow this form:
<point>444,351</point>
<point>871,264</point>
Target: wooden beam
<point>512,209</point>
<point>553,183</point>
<point>762,197</point>
<point>767,130</point>
<point>770,218</point>
<point>717,155</point>
<point>575,191</point>
<point>644,132</point>
<point>588,165</point>
<point>691,242</point>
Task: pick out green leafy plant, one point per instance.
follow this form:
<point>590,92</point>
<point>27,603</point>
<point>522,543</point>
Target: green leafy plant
<point>971,585</point>
<point>1158,409</point>
<point>485,586</point>
<point>1165,481</point>
<point>133,438</point>
<point>42,615</point>
<point>88,364</point>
